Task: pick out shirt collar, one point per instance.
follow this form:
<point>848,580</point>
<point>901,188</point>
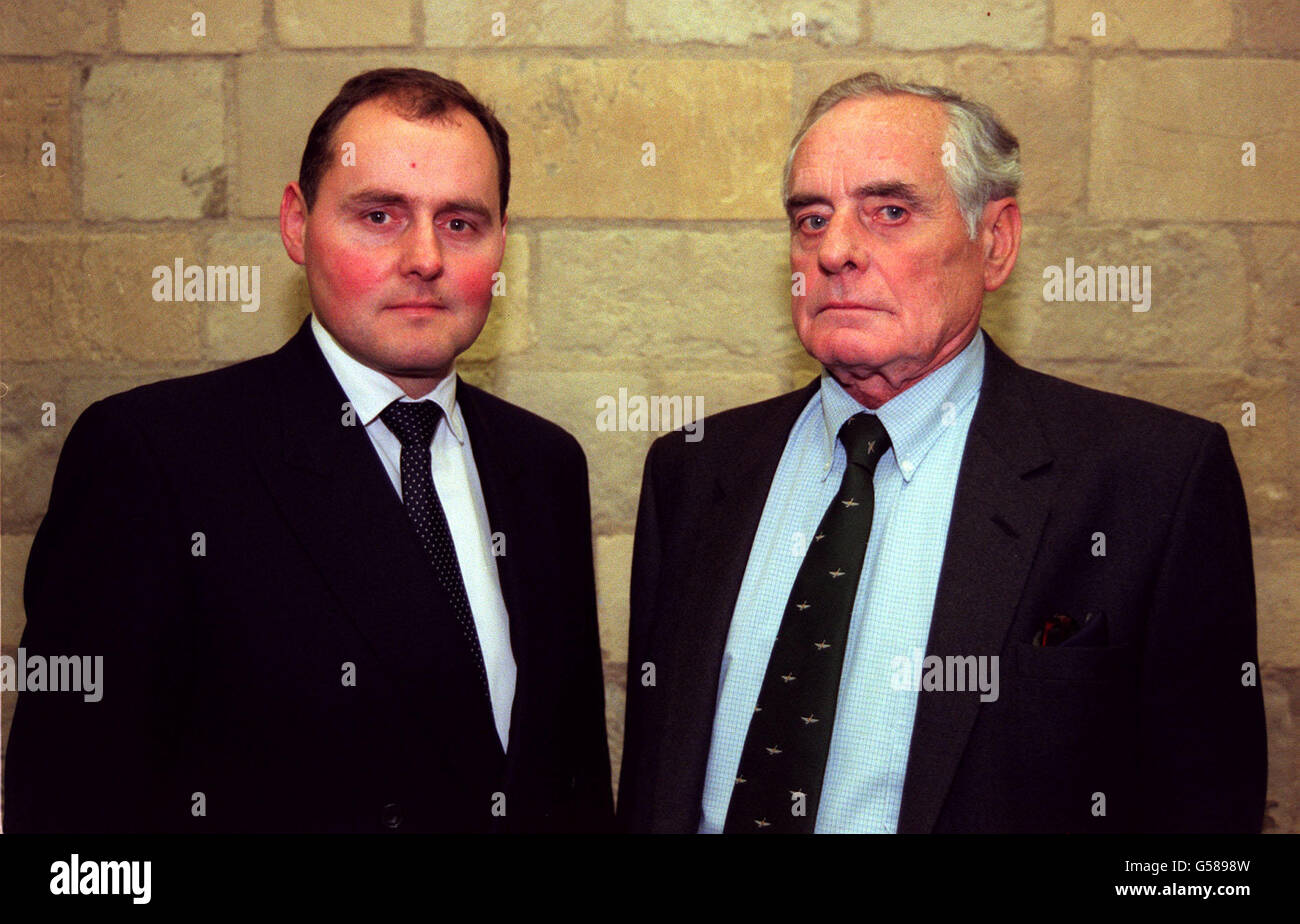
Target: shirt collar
<point>370,391</point>
<point>916,417</point>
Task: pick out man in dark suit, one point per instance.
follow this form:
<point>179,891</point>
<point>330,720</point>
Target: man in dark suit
<point>934,591</point>
<point>334,588</point>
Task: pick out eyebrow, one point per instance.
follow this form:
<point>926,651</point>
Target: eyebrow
<point>886,189</point>
<point>387,197</point>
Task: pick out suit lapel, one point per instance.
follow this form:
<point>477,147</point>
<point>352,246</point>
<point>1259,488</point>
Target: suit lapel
<point>696,633</point>
<point>336,496</point>
<point>999,510</point>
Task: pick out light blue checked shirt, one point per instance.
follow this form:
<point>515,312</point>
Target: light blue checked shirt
<point>914,486</point>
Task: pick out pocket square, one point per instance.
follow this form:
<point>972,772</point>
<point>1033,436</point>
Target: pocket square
<point>1063,629</point>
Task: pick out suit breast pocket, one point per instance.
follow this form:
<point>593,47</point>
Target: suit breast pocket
<point>1109,666</point>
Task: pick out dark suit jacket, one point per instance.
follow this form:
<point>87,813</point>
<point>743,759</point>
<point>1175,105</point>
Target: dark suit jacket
<point>1145,705</point>
<point>223,673</point>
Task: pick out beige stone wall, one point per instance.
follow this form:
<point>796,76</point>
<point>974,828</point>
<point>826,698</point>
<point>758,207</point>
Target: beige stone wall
<point>671,278</point>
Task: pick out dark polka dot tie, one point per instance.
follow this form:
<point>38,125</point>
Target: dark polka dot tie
<point>414,423</point>
<point>779,783</point>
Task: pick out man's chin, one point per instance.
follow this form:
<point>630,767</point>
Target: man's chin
<point>417,366</point>
<point>854,353</point>
<point>423,369</point>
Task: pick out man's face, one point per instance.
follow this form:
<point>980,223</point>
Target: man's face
<point>893,284</point>
<point>400,248</point>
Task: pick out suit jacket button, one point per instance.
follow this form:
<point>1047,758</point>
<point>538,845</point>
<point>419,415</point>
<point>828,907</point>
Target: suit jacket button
<point>392,816</point>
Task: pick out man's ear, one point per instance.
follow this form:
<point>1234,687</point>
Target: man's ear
<point>1000,241</point>
<point>293,223</point>
<point>504,220</point>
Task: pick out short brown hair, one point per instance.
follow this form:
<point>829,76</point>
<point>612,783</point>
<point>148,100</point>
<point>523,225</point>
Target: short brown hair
<point>415,94</point>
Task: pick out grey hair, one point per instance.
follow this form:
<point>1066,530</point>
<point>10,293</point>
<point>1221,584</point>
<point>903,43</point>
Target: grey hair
<point>987,162</point>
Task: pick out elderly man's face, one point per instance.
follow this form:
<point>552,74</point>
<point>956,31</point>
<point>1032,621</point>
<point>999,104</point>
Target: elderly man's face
<point>893,283</point>
<point>400,247</point>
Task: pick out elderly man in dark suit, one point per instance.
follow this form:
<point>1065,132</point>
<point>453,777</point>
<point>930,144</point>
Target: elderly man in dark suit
<point>934,591</point>
<point>334,588</point>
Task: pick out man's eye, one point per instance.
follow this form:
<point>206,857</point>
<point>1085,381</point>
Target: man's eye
<point>377,217</point>
<point>459,224</point>
<point>813,222</point>
<point>893,212</point>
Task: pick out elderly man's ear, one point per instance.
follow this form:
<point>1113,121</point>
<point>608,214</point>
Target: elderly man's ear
<point>1000,240</point>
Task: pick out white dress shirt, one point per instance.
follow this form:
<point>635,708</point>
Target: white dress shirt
<point>455,476</point>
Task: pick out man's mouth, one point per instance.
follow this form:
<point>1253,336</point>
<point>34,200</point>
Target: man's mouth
<point>849,306</point>
<point>417,305</point>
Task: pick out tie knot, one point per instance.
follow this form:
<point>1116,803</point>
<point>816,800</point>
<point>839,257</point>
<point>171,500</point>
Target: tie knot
<point>865,440</point>
<point>412,422</point>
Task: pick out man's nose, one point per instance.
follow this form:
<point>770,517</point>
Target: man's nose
<point>843,245</point>
<point>421,250</point>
